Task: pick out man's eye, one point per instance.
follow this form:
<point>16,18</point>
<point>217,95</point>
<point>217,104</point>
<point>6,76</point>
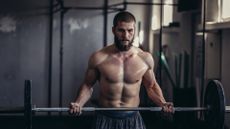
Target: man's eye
<point>120,30</point>
<point>130,30</point>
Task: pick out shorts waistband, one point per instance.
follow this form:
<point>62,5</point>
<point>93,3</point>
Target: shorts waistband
<point>118,114</point>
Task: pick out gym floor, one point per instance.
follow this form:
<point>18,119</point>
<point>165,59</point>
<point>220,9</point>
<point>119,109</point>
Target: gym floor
<point>152,121</point>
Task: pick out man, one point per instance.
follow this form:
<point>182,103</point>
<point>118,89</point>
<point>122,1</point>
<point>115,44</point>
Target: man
<point>120,70</point>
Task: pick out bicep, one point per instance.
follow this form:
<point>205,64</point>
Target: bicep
<point>92,73</point>
<point>91,76</point>
<point>149,79</point>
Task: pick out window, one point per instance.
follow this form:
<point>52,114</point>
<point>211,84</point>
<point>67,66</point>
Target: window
<point>167,14</point>
<point>217,11</point>
<point>225,13</point>
<point>217,14</point>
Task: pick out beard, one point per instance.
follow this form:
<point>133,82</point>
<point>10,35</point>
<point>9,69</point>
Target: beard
<point>120,45</point>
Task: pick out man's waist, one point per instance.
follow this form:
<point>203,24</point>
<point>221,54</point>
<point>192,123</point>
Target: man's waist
<point>129,102</point>
<point>118,114</point>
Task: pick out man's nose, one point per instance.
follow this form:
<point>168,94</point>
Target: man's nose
<point>125,35</point>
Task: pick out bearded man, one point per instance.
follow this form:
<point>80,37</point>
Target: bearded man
<point>120,69</point>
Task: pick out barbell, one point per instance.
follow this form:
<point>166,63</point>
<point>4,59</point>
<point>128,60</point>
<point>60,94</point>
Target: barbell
<point>92,109</point>
<point>214,106</point>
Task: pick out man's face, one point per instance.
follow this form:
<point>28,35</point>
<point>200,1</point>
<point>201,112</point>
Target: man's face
<point>124,35</point>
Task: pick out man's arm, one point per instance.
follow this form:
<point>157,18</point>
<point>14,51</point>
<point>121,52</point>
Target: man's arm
<point>86,89</point>
<point>152,87</point>
<point>153,90</point>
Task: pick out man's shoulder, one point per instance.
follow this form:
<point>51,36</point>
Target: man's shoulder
<point>146,57</point>
<point>99,56</point>
<point>143,54</point>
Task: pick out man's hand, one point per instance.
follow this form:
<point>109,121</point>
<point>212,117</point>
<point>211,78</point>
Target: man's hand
<point>75,109</point>
<point>168,107</point>
<point>167,111</point>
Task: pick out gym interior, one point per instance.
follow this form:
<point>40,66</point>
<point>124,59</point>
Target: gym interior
<point>50,42</point>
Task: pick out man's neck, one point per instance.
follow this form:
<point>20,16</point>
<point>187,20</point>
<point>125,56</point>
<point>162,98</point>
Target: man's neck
<point>123,53</point>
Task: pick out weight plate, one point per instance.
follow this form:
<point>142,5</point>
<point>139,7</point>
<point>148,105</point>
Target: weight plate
<point>214,99</point>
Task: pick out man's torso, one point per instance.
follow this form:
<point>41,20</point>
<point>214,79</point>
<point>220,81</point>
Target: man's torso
<point>120,78</point>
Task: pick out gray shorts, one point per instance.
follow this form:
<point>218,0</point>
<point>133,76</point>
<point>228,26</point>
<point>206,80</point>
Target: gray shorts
<point>118,120</point>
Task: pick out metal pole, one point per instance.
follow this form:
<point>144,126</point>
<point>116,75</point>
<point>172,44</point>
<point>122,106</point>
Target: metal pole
<point>118,4</point>
<point>92,109</point>
<point>160,44</point>
<point>203,51</point>
<point>61,2</point>
<point>149,3</point>
<point>61,58</point>
<point>105,12</point>
<point>50,52</point>
<point>125,4</point>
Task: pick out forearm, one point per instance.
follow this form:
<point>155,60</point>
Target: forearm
<point>84,94</point>
<point>156,95</point>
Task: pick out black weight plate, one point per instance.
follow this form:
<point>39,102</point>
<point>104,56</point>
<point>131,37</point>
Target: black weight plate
<point>28,104</point>
<point>215,100</point>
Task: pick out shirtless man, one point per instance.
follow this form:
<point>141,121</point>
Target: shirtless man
<point>120,70</point>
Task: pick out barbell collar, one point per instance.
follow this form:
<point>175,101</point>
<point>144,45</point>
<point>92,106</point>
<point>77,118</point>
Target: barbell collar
<point>227,109</point>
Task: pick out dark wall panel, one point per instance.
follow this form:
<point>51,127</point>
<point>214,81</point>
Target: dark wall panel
<point>83,34</point>
<point>24,49</point>
<point>24,56</point>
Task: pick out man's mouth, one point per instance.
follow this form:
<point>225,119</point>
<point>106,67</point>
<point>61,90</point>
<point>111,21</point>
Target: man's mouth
<point>125,40</point>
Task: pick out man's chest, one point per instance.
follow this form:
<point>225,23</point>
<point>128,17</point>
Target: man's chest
<point>128,70</point>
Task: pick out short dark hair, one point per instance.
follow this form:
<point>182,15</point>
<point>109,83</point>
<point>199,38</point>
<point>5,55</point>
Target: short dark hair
<point>123,16</point>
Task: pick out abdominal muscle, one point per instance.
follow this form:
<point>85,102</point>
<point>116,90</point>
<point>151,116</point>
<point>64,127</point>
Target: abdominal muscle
<point>119,95</point>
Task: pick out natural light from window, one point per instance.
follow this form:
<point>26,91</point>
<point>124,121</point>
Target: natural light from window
<point>168,12</point>
<point>222,10</point>
<point>167,15</point>
<point>225,10</point>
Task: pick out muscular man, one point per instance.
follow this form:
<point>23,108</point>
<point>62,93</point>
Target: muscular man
<point>120,70</point>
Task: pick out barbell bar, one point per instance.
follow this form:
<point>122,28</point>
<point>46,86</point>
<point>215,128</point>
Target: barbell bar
<point>92,109</point>
<point>214,106</point>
